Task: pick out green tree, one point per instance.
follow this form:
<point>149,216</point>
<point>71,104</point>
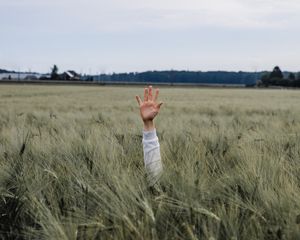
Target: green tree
<point>296,82</point>
<point>276,74</point>
<point>292,76</point>
<point>265,78</point>
<point>54,72</point>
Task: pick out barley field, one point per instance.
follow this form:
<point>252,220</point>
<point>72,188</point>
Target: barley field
<point>71,164</point>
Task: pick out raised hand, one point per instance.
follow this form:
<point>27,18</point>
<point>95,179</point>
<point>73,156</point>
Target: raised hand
<point>149,108</point>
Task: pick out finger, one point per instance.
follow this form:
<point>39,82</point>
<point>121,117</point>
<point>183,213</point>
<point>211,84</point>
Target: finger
<point>156,94</point>
<point>139,100</point>
<point>146,94</point>
<point>150,93</point>
<point>159,105</point>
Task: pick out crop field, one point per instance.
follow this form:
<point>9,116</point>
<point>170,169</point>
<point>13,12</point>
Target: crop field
<point>71,164</point>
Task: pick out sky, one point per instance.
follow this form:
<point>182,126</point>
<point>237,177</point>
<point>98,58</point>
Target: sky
<point>105,36</point>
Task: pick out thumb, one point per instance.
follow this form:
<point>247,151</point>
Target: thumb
<point>159,105</point>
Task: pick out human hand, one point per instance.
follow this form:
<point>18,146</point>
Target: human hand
<point>149,108</point>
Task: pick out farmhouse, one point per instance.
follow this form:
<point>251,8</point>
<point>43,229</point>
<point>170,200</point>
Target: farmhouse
<point>70,75</point>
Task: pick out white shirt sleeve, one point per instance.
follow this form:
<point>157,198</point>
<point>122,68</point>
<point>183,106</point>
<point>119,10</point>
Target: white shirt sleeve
<point>152,157</point>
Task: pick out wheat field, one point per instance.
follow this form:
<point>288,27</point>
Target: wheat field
<point>71,164</point>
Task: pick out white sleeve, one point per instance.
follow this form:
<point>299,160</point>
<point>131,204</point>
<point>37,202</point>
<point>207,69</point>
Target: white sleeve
<point>152,157</point>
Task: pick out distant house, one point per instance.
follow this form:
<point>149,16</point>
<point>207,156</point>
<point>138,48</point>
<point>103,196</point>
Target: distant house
<point>70,76</point>
<point>45,77</point>
<point>31,77</point>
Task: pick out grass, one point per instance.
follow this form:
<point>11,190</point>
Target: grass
<point>71,164</point>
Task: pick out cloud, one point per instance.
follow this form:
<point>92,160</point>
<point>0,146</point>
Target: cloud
<point>130,15</point>
<point>224,13</point>
<point>140,34</point>
<point>228,13</point>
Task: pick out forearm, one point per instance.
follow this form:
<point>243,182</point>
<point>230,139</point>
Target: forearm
<point>149,125</point>
<point>152,158</point>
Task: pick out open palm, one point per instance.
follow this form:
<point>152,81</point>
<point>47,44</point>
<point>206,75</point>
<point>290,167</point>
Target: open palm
<point>149,108</point>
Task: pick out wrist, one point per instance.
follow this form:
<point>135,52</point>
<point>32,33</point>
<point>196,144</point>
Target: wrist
<point>149,125</point>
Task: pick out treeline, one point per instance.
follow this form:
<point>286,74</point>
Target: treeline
<point>198,77</point>
<point>279,78</point>
<point>261,79</point>
<point>6,71</point>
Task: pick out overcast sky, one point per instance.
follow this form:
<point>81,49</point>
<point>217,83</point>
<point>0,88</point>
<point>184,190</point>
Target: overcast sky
<point>96,36</point>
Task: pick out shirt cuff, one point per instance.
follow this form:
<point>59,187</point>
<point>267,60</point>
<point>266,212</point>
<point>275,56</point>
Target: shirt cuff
<point>149,135</point>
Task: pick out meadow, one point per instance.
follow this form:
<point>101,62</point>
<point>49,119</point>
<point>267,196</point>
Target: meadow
<point>71,164</point>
